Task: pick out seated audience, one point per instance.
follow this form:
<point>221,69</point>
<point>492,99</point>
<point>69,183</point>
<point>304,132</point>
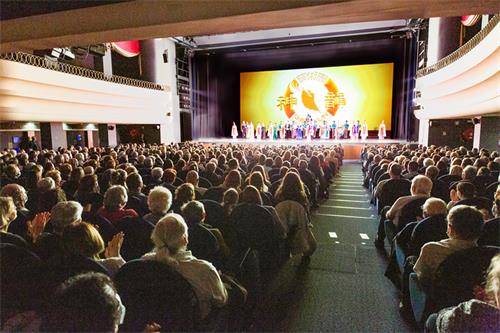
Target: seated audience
<point>159,203</point>
<point>83,239</point>
<point>115,199</point>
<point>170,237</point>
<point>481,314</point>
<point>464,228</point>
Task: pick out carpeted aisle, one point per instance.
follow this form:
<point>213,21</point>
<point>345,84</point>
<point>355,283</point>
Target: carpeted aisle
<point>343,288</point>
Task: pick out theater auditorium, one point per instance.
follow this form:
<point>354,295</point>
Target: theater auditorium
<point>249,166</point>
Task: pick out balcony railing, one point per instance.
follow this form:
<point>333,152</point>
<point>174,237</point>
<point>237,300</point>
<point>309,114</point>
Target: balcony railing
<point>463,50</point>
<point>47,63</point>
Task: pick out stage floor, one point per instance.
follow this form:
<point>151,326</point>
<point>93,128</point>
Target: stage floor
<point>352,148</point>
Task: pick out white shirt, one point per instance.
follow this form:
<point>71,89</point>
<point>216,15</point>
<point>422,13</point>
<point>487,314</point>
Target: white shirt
<point>204,279</point>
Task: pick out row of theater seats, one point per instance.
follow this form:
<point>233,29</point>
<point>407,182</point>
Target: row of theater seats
<point>255,201</point>
<point>423,196</point>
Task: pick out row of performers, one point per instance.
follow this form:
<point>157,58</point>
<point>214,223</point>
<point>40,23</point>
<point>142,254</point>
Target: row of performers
<point>291,130</point>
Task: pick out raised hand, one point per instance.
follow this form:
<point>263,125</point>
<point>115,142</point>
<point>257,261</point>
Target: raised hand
<point>37,225</point>
<point>114,246</point>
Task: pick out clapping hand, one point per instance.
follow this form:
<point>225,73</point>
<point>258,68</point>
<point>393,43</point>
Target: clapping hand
<point>114,246</point>
<point>37,225</point>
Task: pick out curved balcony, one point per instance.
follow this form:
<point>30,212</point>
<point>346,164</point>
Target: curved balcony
<point>465,83</point>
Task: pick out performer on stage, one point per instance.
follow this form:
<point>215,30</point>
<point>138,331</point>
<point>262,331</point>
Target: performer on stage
<point>263,131</point>
<point>326,134</point>
<point>294,130</point>
<point>244,130</point>
<point>356,128</point>
<point>299,131</point>
<point>381,131</point>
<point>364,131</point>
<point>311,131</point>
<point>334,130</point>
<point>346,129</point>
<point>270,131</point>
<point>259,131</point>
<point>282,132</point>
<point>234,131</point>
<point>251,134</point>
<point>275,132</point>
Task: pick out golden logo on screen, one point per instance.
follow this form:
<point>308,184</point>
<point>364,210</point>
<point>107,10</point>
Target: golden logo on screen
<point>311,95</point>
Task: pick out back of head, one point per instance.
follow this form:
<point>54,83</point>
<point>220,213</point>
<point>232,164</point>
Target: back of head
<point>456,170</point>
<point>82,239</point>
<point>169,236</point>
<point>159,200</point>
<point>46,184</point>
<point>492,288</point>
<point>64,213</point>
<point>466,190</point>
<point>193,212</point>
<point>157,173</point>
<point>231,197</point>
<point>115,197</point>
<point>466,222</point>
<point>421,185</point>
<point>251,195</point>
<point>469,173</point>
<point>185,193</point>
<point>134,182</point>
<point>85,303</point>
<point>7,212</point>
<point>395,170</point>
<point>434,206</point>
<point>192,177</point>
<point>432,172</point>
<point>412,166</point>
<point>16,192</point>
<point>169,175</point>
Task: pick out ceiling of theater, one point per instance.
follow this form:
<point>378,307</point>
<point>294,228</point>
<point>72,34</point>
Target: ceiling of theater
<point>146,19</point>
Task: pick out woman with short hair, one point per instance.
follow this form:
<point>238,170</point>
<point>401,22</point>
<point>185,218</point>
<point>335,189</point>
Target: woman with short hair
<point>115,199</point>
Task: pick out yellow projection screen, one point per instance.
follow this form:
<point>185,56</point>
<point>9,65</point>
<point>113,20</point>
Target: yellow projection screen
<point>360,92</point>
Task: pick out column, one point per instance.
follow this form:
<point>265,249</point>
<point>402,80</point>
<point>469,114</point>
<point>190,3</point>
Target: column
<point>112,140</point>
<point>90,139</point>
<point>423,132</point>
<point>484,21</point>
<point>107,64</point>
<point>58,136</point>
<point>160,67</point>
<point>433,41</point>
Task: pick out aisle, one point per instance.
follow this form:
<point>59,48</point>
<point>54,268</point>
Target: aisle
<point>343,288</point>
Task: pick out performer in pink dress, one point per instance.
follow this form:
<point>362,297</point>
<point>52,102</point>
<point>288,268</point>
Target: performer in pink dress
<point>234,131</point>
<point>244,130</point>
<point>270,131</point>
<point>381,131</point>
<point>251,135</point>
<point>259,131</point>
<point>282,132</point>
<point>364,131</point>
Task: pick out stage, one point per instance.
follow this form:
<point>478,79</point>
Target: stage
<point>352,148</point>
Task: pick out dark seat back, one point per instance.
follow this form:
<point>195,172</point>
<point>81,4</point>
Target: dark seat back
<point>214,193</point>
<point>392,190</point>
<point>203,182</point>
<point>214,213</point>
<point>411,212</point>
<point>253,228</point>
<point>459,273</point>
<point>490,235</point>
<point>449,179</point>
<point>137,237</point>
<point>105,228</point>
<point>153,292</point>
<point>20,280</point>
<point>478,202</point>
<point>490,190</point>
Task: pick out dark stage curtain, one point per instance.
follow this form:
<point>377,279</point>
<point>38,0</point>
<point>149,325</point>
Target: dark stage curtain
<point>216,86</point>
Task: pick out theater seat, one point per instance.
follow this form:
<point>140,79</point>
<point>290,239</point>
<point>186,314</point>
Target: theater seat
<point>137,237</point>
<point>391,191</point>
<point>153,292</point>
<point>459,273</point>
<point>214,213</point>
<point>418,298</point>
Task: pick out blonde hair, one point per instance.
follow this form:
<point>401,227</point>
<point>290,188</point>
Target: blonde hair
<point>167,236</point>
<point>7,212</point>
<point>492,288</point>
<point>82,239</point>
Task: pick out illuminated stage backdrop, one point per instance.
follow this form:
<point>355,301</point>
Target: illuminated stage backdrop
<point>360,92</point>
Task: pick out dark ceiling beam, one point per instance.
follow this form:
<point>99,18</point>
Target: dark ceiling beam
<point>146,19</point>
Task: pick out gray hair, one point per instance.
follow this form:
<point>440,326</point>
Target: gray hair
<point>157,173</point>
<point>167,237</point>
<point>65,213</point>
<point>115,197</point>
<point>159,200</point>
<point>16,192</point>
<point>46,184</point>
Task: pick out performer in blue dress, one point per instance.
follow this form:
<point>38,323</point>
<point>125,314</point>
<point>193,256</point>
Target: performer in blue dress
<point>333,130</point>
<point>346,129</point>
<point>299,132</point>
